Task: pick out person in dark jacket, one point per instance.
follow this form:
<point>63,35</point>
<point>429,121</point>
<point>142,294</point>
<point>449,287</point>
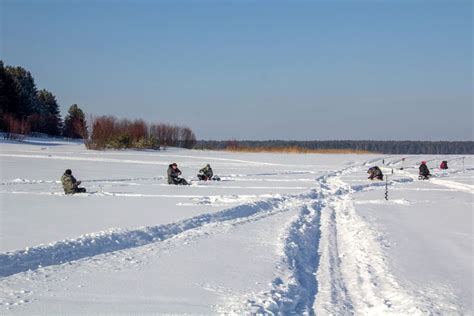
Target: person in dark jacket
<point>70,184</point>
<point>206,173</point>
<point>424,171</point>
<point>174,175</point>
<point>375,173</point>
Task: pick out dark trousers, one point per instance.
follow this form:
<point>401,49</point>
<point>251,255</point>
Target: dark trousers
<point>203,177</point>
<point>180,181</point>
<point>76,190</point>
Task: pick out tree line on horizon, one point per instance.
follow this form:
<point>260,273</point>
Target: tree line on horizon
<point>25,110</point>
<point>361,146</point>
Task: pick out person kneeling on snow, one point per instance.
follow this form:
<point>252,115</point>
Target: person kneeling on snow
<point>375,173</point>
<point>443,165</point>
<point>206,173</point>
<point>70,184</point>
<point>424,171</point>
<point>174,175</point>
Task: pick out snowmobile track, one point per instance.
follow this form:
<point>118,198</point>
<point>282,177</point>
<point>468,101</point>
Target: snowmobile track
<point>89,245</point>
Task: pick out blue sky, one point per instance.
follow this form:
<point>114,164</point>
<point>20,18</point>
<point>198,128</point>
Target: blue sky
<point>256,69</point>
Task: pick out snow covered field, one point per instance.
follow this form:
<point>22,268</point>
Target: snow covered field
<point>280,233</point>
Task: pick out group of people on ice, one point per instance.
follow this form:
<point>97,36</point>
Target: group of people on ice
<point>174,175</point>
<point>71,185</point>
<point>375,173</point>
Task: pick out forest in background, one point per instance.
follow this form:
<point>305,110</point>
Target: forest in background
<point>342,146</point>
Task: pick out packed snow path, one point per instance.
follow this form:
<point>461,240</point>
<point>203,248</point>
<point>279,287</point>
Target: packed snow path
<point>281,234</point>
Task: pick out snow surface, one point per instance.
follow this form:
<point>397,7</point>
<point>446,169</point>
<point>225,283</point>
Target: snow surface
<point>280,234</point>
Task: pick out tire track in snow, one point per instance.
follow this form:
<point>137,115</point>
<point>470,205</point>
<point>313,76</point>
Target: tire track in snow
<point>134,258</point>
<point>294,292</point>
<point>226,178</point>
<point>463,187</point>
<point>356,277</point>
<point>93,244</point>
<point>113,160</point>
<point>155,154</point>
<point>332,297</point>
<point>332,262</point>
<point>108,160</point>
<point>361,264</point>
<point>295,288</point>
<point>116,239</point>
<point>106,194</point>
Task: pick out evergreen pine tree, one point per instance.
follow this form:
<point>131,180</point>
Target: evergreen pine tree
<point>75,125</point>
<point>9,101</point>
<point>51,119</point>
<point>25,88</point>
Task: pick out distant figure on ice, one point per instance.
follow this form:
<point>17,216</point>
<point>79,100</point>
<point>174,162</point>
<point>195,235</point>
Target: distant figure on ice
<point>206,173</point>
<point>443,165</point>
<point>375,173</point>
<point>174,175</point>
<point>70,184</point>
<point>424,171</point>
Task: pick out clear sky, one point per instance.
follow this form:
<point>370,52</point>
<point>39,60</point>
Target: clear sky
<point>256,69</point>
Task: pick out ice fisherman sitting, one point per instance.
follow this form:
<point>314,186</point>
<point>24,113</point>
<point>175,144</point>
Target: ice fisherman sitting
<point>70,184</point>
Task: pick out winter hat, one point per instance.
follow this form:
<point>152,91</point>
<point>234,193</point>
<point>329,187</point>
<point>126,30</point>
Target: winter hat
<point>68,172</point>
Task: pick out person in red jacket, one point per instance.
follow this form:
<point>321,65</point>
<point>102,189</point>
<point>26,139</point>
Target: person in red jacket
<point>443,165</point>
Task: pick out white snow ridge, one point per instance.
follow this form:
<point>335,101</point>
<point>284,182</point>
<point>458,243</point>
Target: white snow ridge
<point>281,234</point>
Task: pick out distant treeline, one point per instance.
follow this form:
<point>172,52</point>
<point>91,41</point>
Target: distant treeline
<point>384,147</point>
